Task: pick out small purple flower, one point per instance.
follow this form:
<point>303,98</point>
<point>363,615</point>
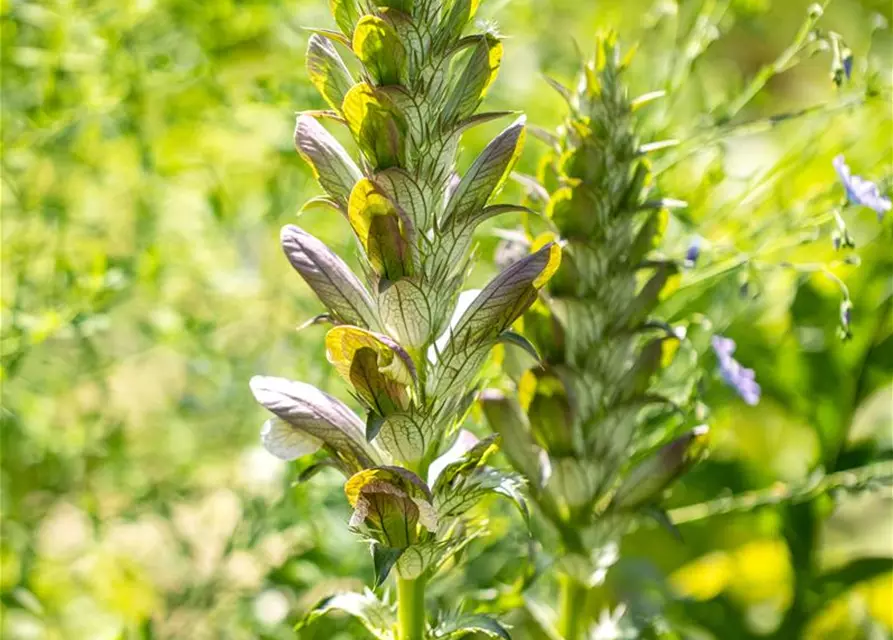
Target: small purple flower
<point>860,191</point>
<point>693,252</point>
<point>848,64</point>
<point>741,379</point>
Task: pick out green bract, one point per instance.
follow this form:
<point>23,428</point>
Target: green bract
<point>413,371</point>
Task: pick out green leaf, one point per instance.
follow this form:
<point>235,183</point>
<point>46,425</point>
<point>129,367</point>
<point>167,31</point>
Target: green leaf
<point>384,233</point>
<point>379,48</point>
<point>507,296</point>
<point>330,34</point>
<point>636,380</point>
<point>649,235</point>
<point>404,437</point>
<point>477,76</point>
<point>505,417</point>
<point>481,118</point>
<point>377,617</point>
<point>456,15</point>
<point>377,125</point>
<point>486,175</point>
<point>321,202</point>
<point>331,279</point>
<point>549,411</point>
<point>492,311</point>
<point>309,410</point>
<point>346,13</point>
<point>327,71</point>
<point>419,558</point>
<point>383,560</point>
<point>406,314</point>
<point>467,624</point>
<point>404,6</point>
<point>373,425</point>
<point>330,163</point>
<point>563,91</point>
<point>468,453</point>
<point>516,339</point>
<point>647,299</point>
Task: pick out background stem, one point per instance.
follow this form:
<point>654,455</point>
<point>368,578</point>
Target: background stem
<point>572,604</point>
<point>411,609</point>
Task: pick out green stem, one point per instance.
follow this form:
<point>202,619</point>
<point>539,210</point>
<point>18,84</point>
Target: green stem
<point>411,609</point>
<point>572,608</point>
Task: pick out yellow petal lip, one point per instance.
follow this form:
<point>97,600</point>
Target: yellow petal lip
<point>551,266</point>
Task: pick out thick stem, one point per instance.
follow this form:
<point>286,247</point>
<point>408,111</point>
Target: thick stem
<point>411,609</point>
<point>572,608</point>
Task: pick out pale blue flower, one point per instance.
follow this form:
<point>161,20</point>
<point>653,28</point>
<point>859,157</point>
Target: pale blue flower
<point>739,378</point>
<point>860,191</point>
<point>848,65</point>
<point>693,252</point>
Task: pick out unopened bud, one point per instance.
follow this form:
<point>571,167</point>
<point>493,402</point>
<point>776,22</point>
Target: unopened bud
<point>650,478</point>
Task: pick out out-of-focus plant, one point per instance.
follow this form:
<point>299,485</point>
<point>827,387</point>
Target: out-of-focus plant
<point>411,357</point>
<point>583,427</point>
<point>608,419</point>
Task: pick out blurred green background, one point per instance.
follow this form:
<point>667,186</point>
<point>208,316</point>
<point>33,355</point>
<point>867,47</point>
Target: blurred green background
<point>147,167</point>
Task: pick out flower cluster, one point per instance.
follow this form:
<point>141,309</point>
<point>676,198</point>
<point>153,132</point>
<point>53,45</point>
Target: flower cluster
<point>572,422</point>
<point>739,378</point>
<point>860,191</point>
<point>410,357</point>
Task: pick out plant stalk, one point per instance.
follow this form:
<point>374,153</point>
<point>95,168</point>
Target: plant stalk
<point>572,608</point>
<point>411,609</point>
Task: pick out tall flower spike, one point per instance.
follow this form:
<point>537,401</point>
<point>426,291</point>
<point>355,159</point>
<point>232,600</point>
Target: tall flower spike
<point>579,417</point>
<point>422,78</point>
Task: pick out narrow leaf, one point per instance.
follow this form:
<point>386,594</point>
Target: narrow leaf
<point>493,311</point>
<point>516,339</point>
<point>476,78</point>
<point>373,425</point>
<point>563,91</point>
<point>346,13</point>
<point>458,15</point>
<point>468,624</point>
<point>505,417</point>
<point>486,175</point>
<point>383,560</point>
<point>507,296</point>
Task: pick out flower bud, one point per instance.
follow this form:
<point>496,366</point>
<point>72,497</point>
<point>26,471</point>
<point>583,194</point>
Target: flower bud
<point>645,482</point>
